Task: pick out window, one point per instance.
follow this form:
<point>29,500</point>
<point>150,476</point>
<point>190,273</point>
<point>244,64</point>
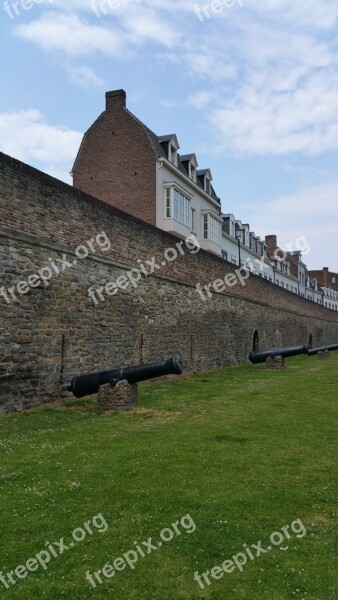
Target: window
<point>207,185</point>
<point>193,220</point>
<point>173,153</point>
<point>168,203</point>
<point>181,208</point>
<point>177,205</point>
<point>287,286</point>
<point>193,172</point>
<point>233,259</point>
<point>205,227</point>
<point>211,229</point>
<point>277,281</point>
<point>224,255</point>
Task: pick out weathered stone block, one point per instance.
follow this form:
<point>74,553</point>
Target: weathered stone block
<point>122,396</point>
<point>275,363</point>
<point>323,355</point>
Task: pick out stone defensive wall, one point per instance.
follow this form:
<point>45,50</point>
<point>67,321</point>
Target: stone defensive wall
<point>57,242</point>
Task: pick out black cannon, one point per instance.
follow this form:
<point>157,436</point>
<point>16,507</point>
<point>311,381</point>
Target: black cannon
<point>85,385</point>
<point>260,357</point>
<point>330,348</point>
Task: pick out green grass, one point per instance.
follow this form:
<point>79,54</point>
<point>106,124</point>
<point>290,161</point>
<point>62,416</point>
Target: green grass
<point>242,450</point>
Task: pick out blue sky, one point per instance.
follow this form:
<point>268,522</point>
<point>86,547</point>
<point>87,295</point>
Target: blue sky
<point>252,89</point>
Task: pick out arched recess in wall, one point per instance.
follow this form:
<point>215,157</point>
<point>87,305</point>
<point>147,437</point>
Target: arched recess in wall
<point>255,342</point>
<point>310,341</point>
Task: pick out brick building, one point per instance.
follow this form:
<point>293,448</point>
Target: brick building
<point>325,278</point>
<point>122,162</point>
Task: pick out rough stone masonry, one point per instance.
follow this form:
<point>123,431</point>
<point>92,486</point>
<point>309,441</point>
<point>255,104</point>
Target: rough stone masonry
<point>51,333</point>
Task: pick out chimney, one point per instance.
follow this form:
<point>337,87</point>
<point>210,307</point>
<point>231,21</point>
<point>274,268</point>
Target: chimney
<point>115,100</point>
<point>326,276</point>
<point>271,244</point>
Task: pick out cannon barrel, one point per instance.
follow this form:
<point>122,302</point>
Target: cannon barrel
<point>260,357</point>
<point>85,385</point>
<point>330,348</point>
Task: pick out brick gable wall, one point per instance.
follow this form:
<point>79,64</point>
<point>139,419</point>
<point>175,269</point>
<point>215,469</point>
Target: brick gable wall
<point>116,162</point>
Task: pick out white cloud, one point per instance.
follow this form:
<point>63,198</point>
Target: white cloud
<point>311,212</point>
<point>201,99</point>
<point>71,35</point>
<point>26,136</point>
<point>264,76</point>
<point>319,14</point>
<point>83,77</point>
<point>304,119</point>
<point>280,94</point>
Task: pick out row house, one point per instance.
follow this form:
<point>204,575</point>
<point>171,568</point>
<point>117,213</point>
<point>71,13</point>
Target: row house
<point>124,163</point>
<point>325,278</point>
<point>242,247</point>
<point>330,298</point>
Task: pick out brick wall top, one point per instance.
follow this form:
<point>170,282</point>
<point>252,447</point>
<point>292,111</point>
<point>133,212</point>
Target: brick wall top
<point>49,210</point>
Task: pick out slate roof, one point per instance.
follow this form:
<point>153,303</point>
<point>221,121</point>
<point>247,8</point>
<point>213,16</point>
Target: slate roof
<point>156,143</point>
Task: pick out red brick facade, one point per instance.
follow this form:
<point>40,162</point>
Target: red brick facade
<point>325,278</point>
<point>116,161</point>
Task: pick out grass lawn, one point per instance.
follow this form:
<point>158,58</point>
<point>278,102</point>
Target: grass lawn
<point>241,450</point>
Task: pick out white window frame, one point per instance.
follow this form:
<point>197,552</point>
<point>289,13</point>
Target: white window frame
<point>211,232</point>
<point>193,220</point>
<point>172,209</point>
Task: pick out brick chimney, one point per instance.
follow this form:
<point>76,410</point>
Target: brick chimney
<point>326,281</point>
<point>271,244</point>
<point>115,100</point>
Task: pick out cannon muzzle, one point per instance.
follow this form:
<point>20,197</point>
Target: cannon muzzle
<point>86,385</point>
<point>330,348</point>
<point>260,357</point>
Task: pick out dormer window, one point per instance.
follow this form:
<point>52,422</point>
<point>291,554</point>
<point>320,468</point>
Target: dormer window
<point>173,155</point>
<point>189,162</point>
<point>205,178</point>
<point>170,146</point>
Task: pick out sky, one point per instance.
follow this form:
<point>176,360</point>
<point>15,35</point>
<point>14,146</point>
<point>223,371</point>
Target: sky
<point>249,86</point>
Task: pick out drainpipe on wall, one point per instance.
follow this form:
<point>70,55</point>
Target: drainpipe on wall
<point>239,251</point>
